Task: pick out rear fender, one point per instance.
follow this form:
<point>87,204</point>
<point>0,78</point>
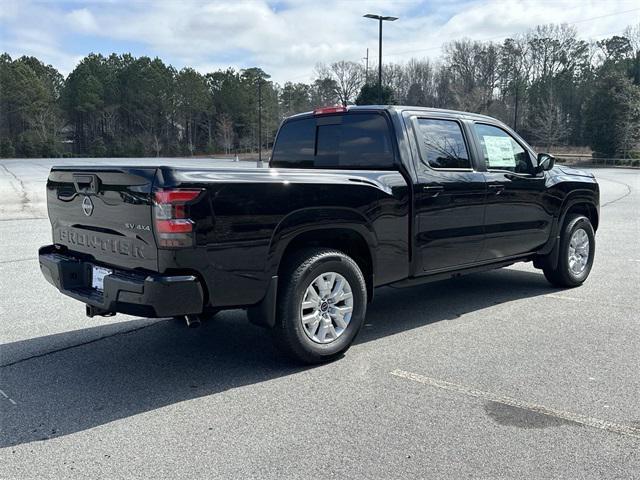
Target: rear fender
<point>289,228</point>
<point>319,218</point>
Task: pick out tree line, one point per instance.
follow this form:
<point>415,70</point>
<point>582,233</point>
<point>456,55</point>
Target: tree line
<point>548,84</point>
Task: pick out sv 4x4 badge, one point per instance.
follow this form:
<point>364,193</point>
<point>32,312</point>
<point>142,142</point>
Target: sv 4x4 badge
<point>133,226</point>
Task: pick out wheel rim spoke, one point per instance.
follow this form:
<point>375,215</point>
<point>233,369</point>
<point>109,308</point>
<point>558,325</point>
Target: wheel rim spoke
<point>343,297</point>
<point>311,322</point>
<point>326,307</point>
<point>322,333</point>
<point>338,288</point>
<point>578,251</point>
<point>311,299</point>
<point>339,316</point>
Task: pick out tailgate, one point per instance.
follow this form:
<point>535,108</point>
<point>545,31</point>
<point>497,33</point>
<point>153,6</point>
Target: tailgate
<point>105,213</point>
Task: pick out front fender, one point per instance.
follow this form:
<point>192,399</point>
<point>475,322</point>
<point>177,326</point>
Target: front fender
<point>582,196</point>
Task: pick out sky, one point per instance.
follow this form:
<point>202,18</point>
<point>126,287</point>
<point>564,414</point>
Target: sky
<point>286,38</point>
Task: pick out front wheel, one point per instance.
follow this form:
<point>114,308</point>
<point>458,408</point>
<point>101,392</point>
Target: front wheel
<point>577,251</point>
<point>321,305</point>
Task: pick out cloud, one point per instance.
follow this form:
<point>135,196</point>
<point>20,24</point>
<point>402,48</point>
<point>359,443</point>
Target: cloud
<point>83,20</point>
<point>286,38</point>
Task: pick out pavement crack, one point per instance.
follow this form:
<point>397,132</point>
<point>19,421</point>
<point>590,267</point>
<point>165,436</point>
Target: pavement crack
<point>22,219</point>
<point>88,342</point>
<point>2,262</point>
<point>22,191</point>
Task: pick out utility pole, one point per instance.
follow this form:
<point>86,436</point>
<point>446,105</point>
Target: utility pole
<point>515,114</point>
<point>366,68</point>
<point>259,164</point>
<point>380,19</point>
<point>380,63</point>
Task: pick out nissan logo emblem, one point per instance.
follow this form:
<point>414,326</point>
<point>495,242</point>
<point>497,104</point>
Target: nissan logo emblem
<point>87,206</point>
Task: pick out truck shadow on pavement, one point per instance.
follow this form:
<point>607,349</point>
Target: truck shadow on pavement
<point>160,364</point>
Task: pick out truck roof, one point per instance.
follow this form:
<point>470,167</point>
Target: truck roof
<point>402,108</point>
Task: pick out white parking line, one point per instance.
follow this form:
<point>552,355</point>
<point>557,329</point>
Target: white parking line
<point>11,400</point>
<point>562,297</point>
<point>586,300</point>
<point>533,407</point>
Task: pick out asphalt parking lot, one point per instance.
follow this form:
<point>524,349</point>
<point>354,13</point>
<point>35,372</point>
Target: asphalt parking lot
<point>494,375</point>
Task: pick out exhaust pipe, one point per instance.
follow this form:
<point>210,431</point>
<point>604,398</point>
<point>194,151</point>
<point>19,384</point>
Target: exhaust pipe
<point>92,311</point>
<point>193,321</point>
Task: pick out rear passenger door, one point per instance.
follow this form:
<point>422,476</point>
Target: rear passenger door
<point>516,220</point>
<point>449,196</point>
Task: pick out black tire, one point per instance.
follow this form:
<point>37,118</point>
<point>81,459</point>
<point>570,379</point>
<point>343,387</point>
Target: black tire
<point>297,275</point>
<point>561,275</point>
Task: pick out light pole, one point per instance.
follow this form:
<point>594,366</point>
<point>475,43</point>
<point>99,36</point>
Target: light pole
<point>259,164</point>
<point>380,19</point>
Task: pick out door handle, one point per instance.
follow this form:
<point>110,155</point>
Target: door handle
<point>434,190</point>
<point>496,188</point>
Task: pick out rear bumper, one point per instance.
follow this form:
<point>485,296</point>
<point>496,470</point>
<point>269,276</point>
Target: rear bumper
<point>147,295</point>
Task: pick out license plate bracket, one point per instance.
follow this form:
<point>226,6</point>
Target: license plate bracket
<point>97,276</point>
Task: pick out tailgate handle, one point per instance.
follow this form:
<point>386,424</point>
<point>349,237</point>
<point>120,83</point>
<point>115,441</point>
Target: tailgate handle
<point>86,183</point>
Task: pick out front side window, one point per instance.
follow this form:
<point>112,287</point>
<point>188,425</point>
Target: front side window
<point>501,151</point>
<point>352,141</point>
<point>442,144</point>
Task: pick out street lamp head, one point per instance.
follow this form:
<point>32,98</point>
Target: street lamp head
<point>380,17</point>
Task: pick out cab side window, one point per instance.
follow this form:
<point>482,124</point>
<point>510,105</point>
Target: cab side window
<point>295,145</point>
<point>501,151</point>
<point>360,141</point>
<point>441,144</point>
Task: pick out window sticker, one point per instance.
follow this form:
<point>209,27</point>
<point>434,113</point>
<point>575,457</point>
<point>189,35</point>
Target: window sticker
<point>499,152</point>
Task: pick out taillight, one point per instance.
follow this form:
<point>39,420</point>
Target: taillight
<point>174,228</point>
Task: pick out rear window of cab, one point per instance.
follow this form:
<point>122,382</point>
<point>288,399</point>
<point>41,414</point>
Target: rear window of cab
<point>349,141</point>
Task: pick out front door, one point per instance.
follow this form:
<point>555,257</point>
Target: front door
<point>516,219</point>
<point>449,197</point>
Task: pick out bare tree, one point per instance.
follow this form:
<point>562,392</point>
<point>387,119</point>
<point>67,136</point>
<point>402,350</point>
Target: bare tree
<point>394,76</point>
<point>226,135</point>
<point>420,76</point>
<point>348,78</point>
<point>513,75</point>
<point>474,73</point>
<point>549,124</point>
<point>632,32</point>
<point>157,145</point>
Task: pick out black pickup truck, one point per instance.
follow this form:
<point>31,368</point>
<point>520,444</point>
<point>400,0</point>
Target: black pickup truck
<point>354,198</point>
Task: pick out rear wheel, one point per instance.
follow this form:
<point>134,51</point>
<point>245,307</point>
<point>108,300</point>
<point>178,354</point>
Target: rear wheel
<point>321,305</point>
<point>577,250</point>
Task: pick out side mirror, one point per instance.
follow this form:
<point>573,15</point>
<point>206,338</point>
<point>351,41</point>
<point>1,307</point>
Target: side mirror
<point>546,161</point>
